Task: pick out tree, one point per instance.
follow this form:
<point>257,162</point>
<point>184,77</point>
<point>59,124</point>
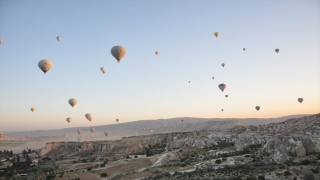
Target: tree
<point>24,153</point>
<point>18,158</point>
<point>287,173</point>
<point>218,161</point>
<point>29,151</point>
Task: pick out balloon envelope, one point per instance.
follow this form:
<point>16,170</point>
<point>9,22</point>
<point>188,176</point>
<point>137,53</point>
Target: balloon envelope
<point>68,119</point>
<point>257,108</point>
<point>45,65</point>
<point>222,87</point>
<point>88,116</point>
<point>59,38</point>
<point>1,134</point>
<point>226,96</point>
<point>157,52</point>
<point>32,109</point>
<point>277,50</point>
<point>223,64</point>
<point>92,129</point>
<point>118,52</point>
<point>244,49</point>
<point>106,133</point>
<point>72,102</point>
<point>103,70</point>
<point>1,41</point>
<point>300,100</point>
<point>216,34</point>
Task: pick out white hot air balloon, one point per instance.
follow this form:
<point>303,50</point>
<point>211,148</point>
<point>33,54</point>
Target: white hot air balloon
<point>118,52</point>
<point>72,102</point>
<point>45,65</point>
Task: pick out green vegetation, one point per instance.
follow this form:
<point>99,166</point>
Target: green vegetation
<point>104,175</point>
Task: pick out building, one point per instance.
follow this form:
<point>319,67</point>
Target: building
<point>6,164</point>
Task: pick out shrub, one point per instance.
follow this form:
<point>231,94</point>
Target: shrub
<point>218,161</point>
<point>315,171</point>
<point>135,156</point>
<point>261,178</point>
<point>104,175</point>
<point>287,173</point>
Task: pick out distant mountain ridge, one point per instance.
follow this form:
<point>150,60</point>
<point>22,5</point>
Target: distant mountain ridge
<point>158,126</point>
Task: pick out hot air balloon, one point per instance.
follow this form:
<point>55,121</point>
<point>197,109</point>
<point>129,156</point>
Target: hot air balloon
<point>117,120</point>
<point>27,136</point>
<point>1,41</point>
<point>59,38</point>
<point>157,52</point>
<point>79,131</point>
<point>92,129</point>
<point>212,77</point>
<point>221,109</point>
<point>226,95</point>
<point>300,100</point>
<point>216,34</point>
<point>32,109</point>
<point>151,131</point>
<point>106,133</point>
<point>222,87</point>
<point>102,69</point>
<point>244,49</point>
<point>72,102</point>
<point>1,134</point>
<point>277,50</point>
<point>182,120</point>
<point>45,65</point>
<point>257,108</point>
<point>223,64</point>
<point>189,81</point>
<point>68,119</point>
<point>89,117</point>
<point>118,52</point>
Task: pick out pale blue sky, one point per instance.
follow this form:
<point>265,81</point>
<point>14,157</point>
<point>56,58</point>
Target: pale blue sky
<point>146,86</point>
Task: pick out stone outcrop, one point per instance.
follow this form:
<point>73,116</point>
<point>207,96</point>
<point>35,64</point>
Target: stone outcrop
<point>284,141</point>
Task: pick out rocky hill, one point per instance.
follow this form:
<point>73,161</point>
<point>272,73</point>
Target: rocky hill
<point>283,141</point>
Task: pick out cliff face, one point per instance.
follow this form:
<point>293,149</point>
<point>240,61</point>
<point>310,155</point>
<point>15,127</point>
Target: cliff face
<point>285,140</point>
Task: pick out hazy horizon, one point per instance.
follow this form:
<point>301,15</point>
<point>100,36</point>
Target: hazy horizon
<point>148,86</point>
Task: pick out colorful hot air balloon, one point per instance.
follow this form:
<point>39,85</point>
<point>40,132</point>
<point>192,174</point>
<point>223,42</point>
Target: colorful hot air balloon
<point>244,49</point>
<point>257,108</point>
<point>222,87</point>
<point>68,119</point>
<point>106,133</point>
<point>118,52</point>
<point>32,109</point>
<point>59,38</point>
<point>216,34</point>
<point>157,52</point>
<point>300,100</point>
<point>223,64</point>
<point>1,134</point>
<point>277,50</point>
<point>1,41</point>
<point>103,70</point>
<point>45,65</point>
<point>89,117</point>
<point>72,102</point>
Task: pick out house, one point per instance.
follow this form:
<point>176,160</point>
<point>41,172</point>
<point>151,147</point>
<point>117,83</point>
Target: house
<point>35,160</point>
<point>6,164</point>
<point>3,159</point>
